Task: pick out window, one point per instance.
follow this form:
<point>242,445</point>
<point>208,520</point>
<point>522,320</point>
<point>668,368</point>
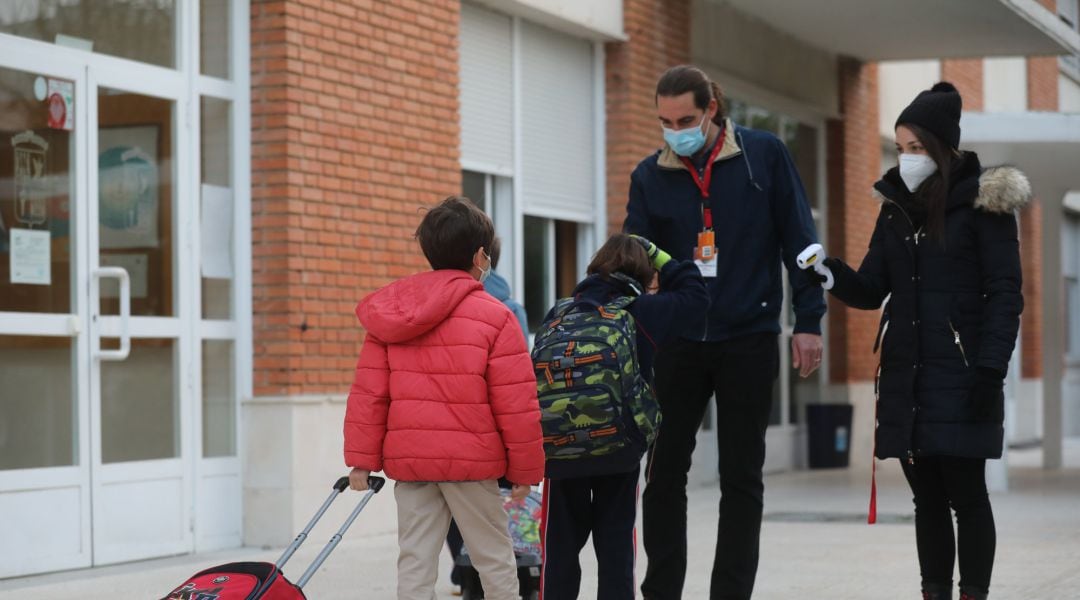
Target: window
<point>791,393</point>
<point>1070,269</point>
<point>532,156</point>
<point>1069,12</point>
<point>493,194</point>
<point>142,31</point>
<point>551,265</point>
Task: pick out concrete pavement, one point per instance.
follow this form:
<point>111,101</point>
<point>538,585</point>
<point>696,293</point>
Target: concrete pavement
<point>815,545</point>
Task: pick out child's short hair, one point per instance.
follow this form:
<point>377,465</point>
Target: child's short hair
<point>622,254</point>
<point>452,232</point>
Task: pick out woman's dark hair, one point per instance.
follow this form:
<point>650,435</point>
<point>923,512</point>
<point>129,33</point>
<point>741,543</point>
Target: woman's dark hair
<point>622,254</point>
<point>452,232</point>
<point>679,80</point>
<point>933,194</point>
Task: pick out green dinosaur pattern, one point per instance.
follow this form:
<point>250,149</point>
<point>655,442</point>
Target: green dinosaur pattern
<point>604,405</point>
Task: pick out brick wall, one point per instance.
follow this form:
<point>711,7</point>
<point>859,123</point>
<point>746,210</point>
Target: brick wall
<point>1031,263</point>
<point>659,32</point>
<point>853,165</point>
<point>1042,82</point>
<point>967,76</point>
<point>354,127</point>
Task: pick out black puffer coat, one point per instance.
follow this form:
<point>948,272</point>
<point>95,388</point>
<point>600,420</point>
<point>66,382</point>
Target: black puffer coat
<point>954,311</point>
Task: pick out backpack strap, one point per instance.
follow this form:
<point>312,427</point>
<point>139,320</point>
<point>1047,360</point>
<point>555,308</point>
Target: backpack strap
<point>621,303</point>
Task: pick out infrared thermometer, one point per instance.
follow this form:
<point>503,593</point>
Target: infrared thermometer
<point>814,257</point>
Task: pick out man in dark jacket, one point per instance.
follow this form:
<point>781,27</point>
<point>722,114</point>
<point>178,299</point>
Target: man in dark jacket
<point>729,198</point>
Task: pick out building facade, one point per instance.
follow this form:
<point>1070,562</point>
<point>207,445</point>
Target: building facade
<point>194,196</point>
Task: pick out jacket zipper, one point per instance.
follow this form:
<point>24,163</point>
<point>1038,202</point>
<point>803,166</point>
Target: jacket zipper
<point>915,262</point>
<point>959,344</point>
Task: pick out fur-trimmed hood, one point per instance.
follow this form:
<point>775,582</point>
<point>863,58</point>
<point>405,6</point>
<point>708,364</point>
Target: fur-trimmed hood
<point>1001,189</point>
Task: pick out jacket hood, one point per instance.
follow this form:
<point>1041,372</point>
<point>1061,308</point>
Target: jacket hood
<point>601,288</point>
<point>497,286</point>
<point>1001,189</point>
<point>411,307</point>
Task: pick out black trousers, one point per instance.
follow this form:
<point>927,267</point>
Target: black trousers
<point>942,485</point>
<point>606,507</point>
<point>741,373</point>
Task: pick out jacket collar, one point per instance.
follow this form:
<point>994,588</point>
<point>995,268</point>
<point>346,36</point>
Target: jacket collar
<point>669,160</point>
<point>601,288</point>
<point>994,189</point>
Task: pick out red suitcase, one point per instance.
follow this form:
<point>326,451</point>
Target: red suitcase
<point>263,580</point>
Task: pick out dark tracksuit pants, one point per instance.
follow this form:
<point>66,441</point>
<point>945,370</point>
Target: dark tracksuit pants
<point>606,507</point>
<point>941,483</point>
<point>742,373</point>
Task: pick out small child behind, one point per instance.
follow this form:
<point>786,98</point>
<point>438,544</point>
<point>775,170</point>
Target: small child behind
<point>593,489</point>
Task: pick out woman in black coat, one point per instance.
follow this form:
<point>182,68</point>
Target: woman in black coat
<point>945,253</point>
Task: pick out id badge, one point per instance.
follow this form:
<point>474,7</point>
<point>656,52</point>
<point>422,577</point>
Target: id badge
<point>705,253</point>
<point>707,268</point>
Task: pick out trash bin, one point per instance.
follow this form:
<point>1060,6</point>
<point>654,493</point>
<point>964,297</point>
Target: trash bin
<point>829,435</point>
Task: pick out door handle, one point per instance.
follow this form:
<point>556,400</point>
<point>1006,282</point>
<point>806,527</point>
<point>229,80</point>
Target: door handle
<point>121,275</point>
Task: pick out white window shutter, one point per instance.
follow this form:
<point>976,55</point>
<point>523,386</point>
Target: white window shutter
<point>486,90</point>
<point>558,126</point>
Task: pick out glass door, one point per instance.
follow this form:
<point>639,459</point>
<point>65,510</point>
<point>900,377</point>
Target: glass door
<point>140,405</point>
<point>44,349</point>
<point>124,280</point>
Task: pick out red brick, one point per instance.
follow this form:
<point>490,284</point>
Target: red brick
<point>1031,322</point>
<point>967,76</point>
<point>658,32</point>
<point>321,169</point>
<point>853,165</point>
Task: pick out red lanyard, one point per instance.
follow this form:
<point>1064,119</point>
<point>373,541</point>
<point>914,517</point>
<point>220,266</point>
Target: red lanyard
<point>703,180</point>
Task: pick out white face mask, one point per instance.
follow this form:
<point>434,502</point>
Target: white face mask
<point>485,273</point>
<point>915,168</point>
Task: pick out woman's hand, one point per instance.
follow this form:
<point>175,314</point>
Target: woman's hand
<point>988,395</point>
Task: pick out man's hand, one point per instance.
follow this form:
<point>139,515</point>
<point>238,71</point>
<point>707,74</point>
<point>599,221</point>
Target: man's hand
<point>657,257</point>
<point>519,492</point>
<point>806,351</point>
<point>358,479</point>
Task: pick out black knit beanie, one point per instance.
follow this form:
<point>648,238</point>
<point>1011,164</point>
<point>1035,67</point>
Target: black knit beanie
<point>936,110</point>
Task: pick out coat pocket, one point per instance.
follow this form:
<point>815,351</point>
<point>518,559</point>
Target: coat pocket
<point>959,343</point>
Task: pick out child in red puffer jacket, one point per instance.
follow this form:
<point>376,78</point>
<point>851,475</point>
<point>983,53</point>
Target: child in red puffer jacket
<point>444,401</point>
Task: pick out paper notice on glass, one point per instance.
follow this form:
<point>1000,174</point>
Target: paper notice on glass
<point>30,257</point>
<point>60,95</point>
<point>136,266</point>
<point>217,230</point>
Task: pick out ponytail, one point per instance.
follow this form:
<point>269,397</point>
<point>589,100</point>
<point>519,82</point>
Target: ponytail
<point>679,80</point>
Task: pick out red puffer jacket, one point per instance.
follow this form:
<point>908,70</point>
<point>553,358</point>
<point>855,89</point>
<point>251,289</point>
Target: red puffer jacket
<point>444,389</point>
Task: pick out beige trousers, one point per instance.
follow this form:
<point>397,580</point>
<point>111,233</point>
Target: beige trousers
<point>424,512</point>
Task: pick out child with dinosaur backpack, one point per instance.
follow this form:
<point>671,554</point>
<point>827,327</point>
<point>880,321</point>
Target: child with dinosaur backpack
<point>593,358</point>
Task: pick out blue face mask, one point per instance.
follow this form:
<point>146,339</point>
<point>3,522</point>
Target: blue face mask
<point>685,142</point>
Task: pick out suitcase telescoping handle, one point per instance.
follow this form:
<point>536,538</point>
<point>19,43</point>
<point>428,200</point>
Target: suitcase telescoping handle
<point>375,484</point>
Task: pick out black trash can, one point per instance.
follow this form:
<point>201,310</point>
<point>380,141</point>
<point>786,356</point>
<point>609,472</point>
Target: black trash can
<point>829,435</point>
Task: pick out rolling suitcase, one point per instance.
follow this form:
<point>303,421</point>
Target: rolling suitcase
<point>263,580</point>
